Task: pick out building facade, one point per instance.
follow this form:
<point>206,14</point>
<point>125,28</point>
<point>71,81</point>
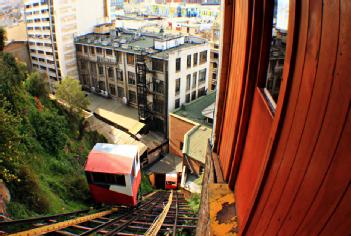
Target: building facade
<point>51,26</point>
<point>152,72</point>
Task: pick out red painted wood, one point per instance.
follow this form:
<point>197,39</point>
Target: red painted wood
<point>235,86</point>
<point>252,161</point>
<point>293,173</point>
<point>322,212</point>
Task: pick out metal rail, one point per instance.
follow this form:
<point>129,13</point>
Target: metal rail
<point>39,219</point>
<point>135,221</point>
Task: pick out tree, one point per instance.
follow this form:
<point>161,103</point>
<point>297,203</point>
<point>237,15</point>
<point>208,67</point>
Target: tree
<point>50,130</point>
<point>2,38</point>
<point>11,78</point>
<point>10,141</point>
<point>70,91</point>
<point>37,84</point>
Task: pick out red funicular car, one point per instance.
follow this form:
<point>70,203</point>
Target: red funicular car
<point>113,173</point>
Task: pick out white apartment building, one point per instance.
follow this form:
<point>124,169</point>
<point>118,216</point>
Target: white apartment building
<point>51,26</point>
<point>153,72</point>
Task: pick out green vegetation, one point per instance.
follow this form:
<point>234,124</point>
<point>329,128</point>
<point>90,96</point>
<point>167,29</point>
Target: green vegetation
<point>71,92</point>
<point>145,185</point>
<point>194,202</point>
<point>37,84</point>
<point>43,147</point>
<point>2,38</point>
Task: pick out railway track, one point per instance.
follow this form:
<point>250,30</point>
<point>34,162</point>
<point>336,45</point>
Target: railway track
<point>176,217</point>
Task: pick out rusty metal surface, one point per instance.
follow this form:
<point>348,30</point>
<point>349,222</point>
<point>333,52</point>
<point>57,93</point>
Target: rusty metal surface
<point>223,220</point>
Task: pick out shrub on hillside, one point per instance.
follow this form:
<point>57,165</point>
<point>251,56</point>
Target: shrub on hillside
<point>10,142</point>
<point>70,91</point>
<point>37,84</point>
<point>28,191</point>
<point>50,130</point>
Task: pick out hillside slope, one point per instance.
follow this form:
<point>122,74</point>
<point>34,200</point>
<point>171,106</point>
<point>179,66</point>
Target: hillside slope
<point>42,148</point>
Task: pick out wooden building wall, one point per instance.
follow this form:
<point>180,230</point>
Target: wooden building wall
<point>289,169</point>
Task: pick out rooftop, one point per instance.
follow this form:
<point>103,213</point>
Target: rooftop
<point>136,41</point>
<point>168,164</point>
<point>111,158</point>
<point>193,110</point>
<point>195,142</point>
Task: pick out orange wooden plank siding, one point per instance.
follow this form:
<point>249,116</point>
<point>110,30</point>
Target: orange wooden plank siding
<point>289,169</point>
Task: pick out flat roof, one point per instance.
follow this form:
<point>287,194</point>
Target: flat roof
<point>168,164</point>
<point>136,42</point>
<point>193,110</point>
<point>196,141</point>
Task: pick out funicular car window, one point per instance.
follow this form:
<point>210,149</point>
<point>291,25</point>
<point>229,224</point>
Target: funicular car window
<point>102,178</point>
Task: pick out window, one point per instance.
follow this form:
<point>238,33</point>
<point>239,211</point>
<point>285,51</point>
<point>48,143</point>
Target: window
<point>181,145</point>
<point>109,52</point>
<point>101,85</point>
<point>215,65</point>
<point>120,92</point>
<point>101,70</point>
<point>188,61</point>
<point>187,98</point>
<point>92,50</point>
<point>177,88</point>
<point>215,55</point>
<point>130,59</point>
<point>188,78</point>
<point>177,103</point>
<point>178,61</point>
<point>85,48</point>
<point>203,57</point>
<point>193,95</point>
<point>82,65</point>
<point>157,65</point>
<point>132,96</point>
<point>195,59</point>
<point>214,76</point>
<point>118,56</point>
<point>201,92</point>
<point>276,53</point>
<point>202,76</point>
<point>112,89</point>
<point>103,178</point>
<point>99,50</point>
<point>131,78</point>
<point>158,86</point>
<point>110,72</point>
<point>194,79</point>
<point>158,104</point>
<point>119,75</point>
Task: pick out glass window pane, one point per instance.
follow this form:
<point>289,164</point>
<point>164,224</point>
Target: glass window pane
<point>277,50</point>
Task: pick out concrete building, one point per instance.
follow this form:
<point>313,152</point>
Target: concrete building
<point>19,49</point>
<point>155,73</point>
<point>51,26</point>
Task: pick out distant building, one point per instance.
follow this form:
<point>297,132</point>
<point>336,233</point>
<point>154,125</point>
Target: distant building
<point>51,25</point>
<point>155,73</point>
<point>19,49</point>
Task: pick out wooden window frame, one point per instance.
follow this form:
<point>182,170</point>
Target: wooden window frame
<point>257,46</point>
